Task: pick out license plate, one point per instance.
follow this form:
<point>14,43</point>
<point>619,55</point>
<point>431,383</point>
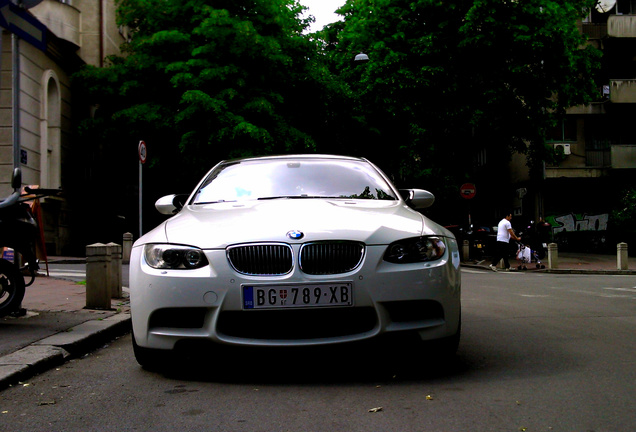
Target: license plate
<point>296,296</point>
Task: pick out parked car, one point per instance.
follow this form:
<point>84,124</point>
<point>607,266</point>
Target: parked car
<point>302,250</point>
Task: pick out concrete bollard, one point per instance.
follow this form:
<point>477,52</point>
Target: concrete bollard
<point>622,257</point>
<point>115,270</point>
<point>127,248</point>
<point>97,276</point>
<point>466,250</point>
<point>553,256</point>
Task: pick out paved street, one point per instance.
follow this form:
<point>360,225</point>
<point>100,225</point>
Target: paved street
<point>540,352</point>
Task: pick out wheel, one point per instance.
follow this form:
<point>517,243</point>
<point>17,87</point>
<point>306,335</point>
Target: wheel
<point>11,288</point>
<point>150,359</point>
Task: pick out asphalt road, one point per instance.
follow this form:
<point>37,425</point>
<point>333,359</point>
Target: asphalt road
<point>540,352</point>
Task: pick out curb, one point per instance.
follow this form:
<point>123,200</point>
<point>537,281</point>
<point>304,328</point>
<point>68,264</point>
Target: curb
<point>57,349</point>
<point>559,271</point>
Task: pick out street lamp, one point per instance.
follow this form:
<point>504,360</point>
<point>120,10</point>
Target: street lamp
<point>362,57</point>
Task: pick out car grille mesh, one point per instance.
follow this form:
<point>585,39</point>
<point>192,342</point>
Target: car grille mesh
<point>319,258</point>
<point>325,258</point>
<point>261,259</point>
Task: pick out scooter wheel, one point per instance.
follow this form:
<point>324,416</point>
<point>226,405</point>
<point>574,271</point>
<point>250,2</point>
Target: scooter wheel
<point>11,288</point>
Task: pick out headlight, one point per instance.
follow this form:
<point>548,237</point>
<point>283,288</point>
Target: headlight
<point>417,249</point>
<point>164,256</point>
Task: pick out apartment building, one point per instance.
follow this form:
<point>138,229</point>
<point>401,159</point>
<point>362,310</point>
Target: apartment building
<point>37,113</point>
<point>595,145</point>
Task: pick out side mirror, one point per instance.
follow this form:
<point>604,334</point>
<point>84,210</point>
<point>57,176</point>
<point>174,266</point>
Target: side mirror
<point>170,204</point>
<point>16,180</point>
<point>418,198</point>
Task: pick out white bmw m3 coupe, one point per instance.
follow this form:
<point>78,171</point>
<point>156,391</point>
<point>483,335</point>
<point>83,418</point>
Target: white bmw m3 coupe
<point>302,250</point>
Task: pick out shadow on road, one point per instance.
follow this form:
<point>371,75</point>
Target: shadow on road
<point>361,362</point>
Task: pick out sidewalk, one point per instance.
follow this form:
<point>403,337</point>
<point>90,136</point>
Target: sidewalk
<point>57,326</point>
<point>572,263</point>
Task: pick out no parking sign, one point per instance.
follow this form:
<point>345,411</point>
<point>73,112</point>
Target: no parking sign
<point>468,190</point>
<point>143,151</point>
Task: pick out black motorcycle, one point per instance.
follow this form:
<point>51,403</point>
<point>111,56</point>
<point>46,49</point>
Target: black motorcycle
<point>19,232</point>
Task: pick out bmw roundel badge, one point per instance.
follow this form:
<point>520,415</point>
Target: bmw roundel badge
<point>295,234</point>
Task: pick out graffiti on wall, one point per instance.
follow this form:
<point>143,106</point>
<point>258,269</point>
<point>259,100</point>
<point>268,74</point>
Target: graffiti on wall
<point>578,222</point>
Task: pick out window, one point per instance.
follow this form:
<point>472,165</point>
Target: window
<point>50,132</point>
<point>565,130</point>
<point>626,7</point>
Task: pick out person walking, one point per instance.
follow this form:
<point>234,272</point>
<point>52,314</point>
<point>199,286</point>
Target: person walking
<point>504,234</point>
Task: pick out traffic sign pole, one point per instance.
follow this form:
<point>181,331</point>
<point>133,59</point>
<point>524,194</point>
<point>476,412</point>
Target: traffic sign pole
<point>143,153</point>
<point>140,200</point>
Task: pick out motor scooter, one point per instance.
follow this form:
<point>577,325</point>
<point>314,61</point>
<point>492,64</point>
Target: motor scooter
<point>19,232</point>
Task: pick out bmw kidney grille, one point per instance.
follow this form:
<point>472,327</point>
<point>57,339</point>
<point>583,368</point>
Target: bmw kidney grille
<point>319,258</point>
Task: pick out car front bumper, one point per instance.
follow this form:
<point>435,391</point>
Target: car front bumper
<point>206,304</point>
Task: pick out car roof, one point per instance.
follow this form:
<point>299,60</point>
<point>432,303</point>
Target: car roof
<point>296,156</point>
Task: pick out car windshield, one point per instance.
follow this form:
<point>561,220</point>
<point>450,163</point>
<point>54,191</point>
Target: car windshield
<point>293,179</point>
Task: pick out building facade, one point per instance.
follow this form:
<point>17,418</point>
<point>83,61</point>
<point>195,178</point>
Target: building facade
<point>76,32</point>
<point>595,145</point>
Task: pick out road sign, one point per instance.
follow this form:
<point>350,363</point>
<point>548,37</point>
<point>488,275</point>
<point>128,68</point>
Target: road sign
<point>21,23</point>
<point>468,190</point>
<point>143,152</point>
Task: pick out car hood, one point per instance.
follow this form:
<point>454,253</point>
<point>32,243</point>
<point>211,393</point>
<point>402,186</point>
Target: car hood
<point>219,225</point>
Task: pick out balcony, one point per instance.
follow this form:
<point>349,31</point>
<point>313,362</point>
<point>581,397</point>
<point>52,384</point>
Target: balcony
<point>594,31</point>
<point>624,156</point>
<point>621,26</point>
<point>62,19</point>
<point>623,91</point>
<point>598,158</point>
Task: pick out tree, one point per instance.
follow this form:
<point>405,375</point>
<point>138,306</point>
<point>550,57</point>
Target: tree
<point>623,217</point>
<point>202,81</point>
<point>448,77</point>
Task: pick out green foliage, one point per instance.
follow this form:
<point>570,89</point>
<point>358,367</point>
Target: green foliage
<point>448,77</point>
<point>623,218</point>
<point>204,80</point>
<point>200,81</point>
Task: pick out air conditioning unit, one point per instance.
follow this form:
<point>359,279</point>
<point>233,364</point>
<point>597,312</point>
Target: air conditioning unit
<point>563,147</point>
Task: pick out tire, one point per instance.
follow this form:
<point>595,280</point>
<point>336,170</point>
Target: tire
<point>11,288</point>
<point>150,359</point>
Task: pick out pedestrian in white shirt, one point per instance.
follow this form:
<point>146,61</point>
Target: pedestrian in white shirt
<point>504,234</point>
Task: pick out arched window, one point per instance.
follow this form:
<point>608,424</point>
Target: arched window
<point>50,132</point>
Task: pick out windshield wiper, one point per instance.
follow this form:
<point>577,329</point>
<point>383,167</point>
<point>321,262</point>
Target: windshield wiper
<point>213,202</point>
<point>298,197</point>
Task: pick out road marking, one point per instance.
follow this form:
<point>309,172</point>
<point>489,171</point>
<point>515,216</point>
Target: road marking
<point>621,289</point>
<point>69,273</point>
